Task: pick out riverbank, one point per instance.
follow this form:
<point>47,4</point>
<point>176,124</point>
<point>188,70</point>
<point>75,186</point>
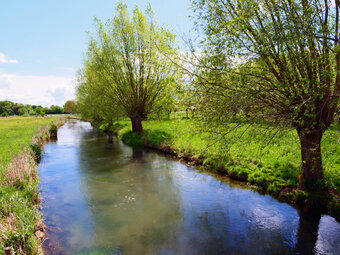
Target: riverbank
<point>273,169</point>
<point>22,138</point>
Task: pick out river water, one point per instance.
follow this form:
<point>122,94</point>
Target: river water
<point>102,198</point>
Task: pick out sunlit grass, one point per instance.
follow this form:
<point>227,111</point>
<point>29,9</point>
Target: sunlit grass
<point>19,195</point>
<point>16,134</point>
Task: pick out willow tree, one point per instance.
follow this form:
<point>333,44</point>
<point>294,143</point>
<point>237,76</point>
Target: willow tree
<point>128,57</point>
<point>284,57</point>
<point>93,105</point>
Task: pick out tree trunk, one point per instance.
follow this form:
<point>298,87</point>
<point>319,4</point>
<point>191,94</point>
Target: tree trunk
<point>311,177</point>
<point>110,132</point>
<point>137,125</point>
<point>110,138</point>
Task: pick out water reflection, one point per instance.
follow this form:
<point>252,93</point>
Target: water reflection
<point>105,198</point>
<point>134,204</point>
<point>137,154</point>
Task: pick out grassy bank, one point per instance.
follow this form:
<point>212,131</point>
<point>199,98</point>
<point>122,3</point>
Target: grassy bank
<point>273,168</point>
<point>21,138</point>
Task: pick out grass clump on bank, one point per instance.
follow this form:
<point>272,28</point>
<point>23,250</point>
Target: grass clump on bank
<point>272,164</point>
<point>149,137</point>
<point>21,224</point>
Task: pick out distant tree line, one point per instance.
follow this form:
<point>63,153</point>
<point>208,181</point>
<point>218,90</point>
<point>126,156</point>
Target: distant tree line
<point>8,108</point>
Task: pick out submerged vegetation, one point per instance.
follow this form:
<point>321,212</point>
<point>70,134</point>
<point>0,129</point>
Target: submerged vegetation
<point>21,224</point>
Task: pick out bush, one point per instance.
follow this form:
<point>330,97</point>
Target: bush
<point>36,150</point>
<point>133,139</point>
<point>4,114</point>
<point>53,130</point>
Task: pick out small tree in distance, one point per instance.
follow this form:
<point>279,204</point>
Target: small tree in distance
<point>70,106</point>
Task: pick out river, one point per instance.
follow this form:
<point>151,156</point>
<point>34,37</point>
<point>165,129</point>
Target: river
<point>101,198</point>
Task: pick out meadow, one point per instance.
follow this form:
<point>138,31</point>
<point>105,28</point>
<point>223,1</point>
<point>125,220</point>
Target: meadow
<point>21,138</point>
<point>16,133</point>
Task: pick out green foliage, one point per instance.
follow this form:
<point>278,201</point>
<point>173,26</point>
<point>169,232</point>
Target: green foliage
<point>53,130</point>
<point>6,106</point>
<point>333,206</point>
<point>300,196</point>
<point>39,111</point>
<point>36,150</point>
<point>125,70</point>
<point>10,108</point>
<point>70,107</point>
<point>150,137</point>
<point>274,61</point>
<point>23,111</point>
<point>133,139</point>
<point>4,114</point>
<point>55,109</point>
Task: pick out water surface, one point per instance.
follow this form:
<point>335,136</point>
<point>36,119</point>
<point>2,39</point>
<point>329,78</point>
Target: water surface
<point>104,198</point>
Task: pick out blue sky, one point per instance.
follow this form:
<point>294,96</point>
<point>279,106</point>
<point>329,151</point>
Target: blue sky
<point>42,43</point>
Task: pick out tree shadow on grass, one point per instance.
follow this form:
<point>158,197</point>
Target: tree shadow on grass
<point>151,137</point>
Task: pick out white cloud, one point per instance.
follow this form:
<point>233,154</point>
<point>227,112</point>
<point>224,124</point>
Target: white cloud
<point>4,60</point>
<point>5,82</point>
<point>38,90</point>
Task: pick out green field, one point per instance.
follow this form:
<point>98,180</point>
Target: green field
<point>269,162</point>
<point>19,194</point>
<point>16,133</point>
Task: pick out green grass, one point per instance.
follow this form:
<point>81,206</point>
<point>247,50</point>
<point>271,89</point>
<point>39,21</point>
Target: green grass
<point>16,133</point>
<point>242,152</point>
<point>19,196</point>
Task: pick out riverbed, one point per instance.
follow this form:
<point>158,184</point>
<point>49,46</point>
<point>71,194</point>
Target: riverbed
<point>101,198</point>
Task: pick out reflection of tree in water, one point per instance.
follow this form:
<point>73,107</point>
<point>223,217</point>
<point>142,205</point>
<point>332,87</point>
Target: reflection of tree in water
<point>133,200</point>
<point>307,235</point>
<point>137,154</point>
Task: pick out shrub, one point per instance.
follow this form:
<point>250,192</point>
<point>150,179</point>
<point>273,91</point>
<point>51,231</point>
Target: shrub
<point>133,139</point>
<point>36,151</point>
<point>53,131</point>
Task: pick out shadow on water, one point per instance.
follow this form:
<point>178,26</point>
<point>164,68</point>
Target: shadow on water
<point>102,198</point>
<point>137,154</point>
<point>308,233</point>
